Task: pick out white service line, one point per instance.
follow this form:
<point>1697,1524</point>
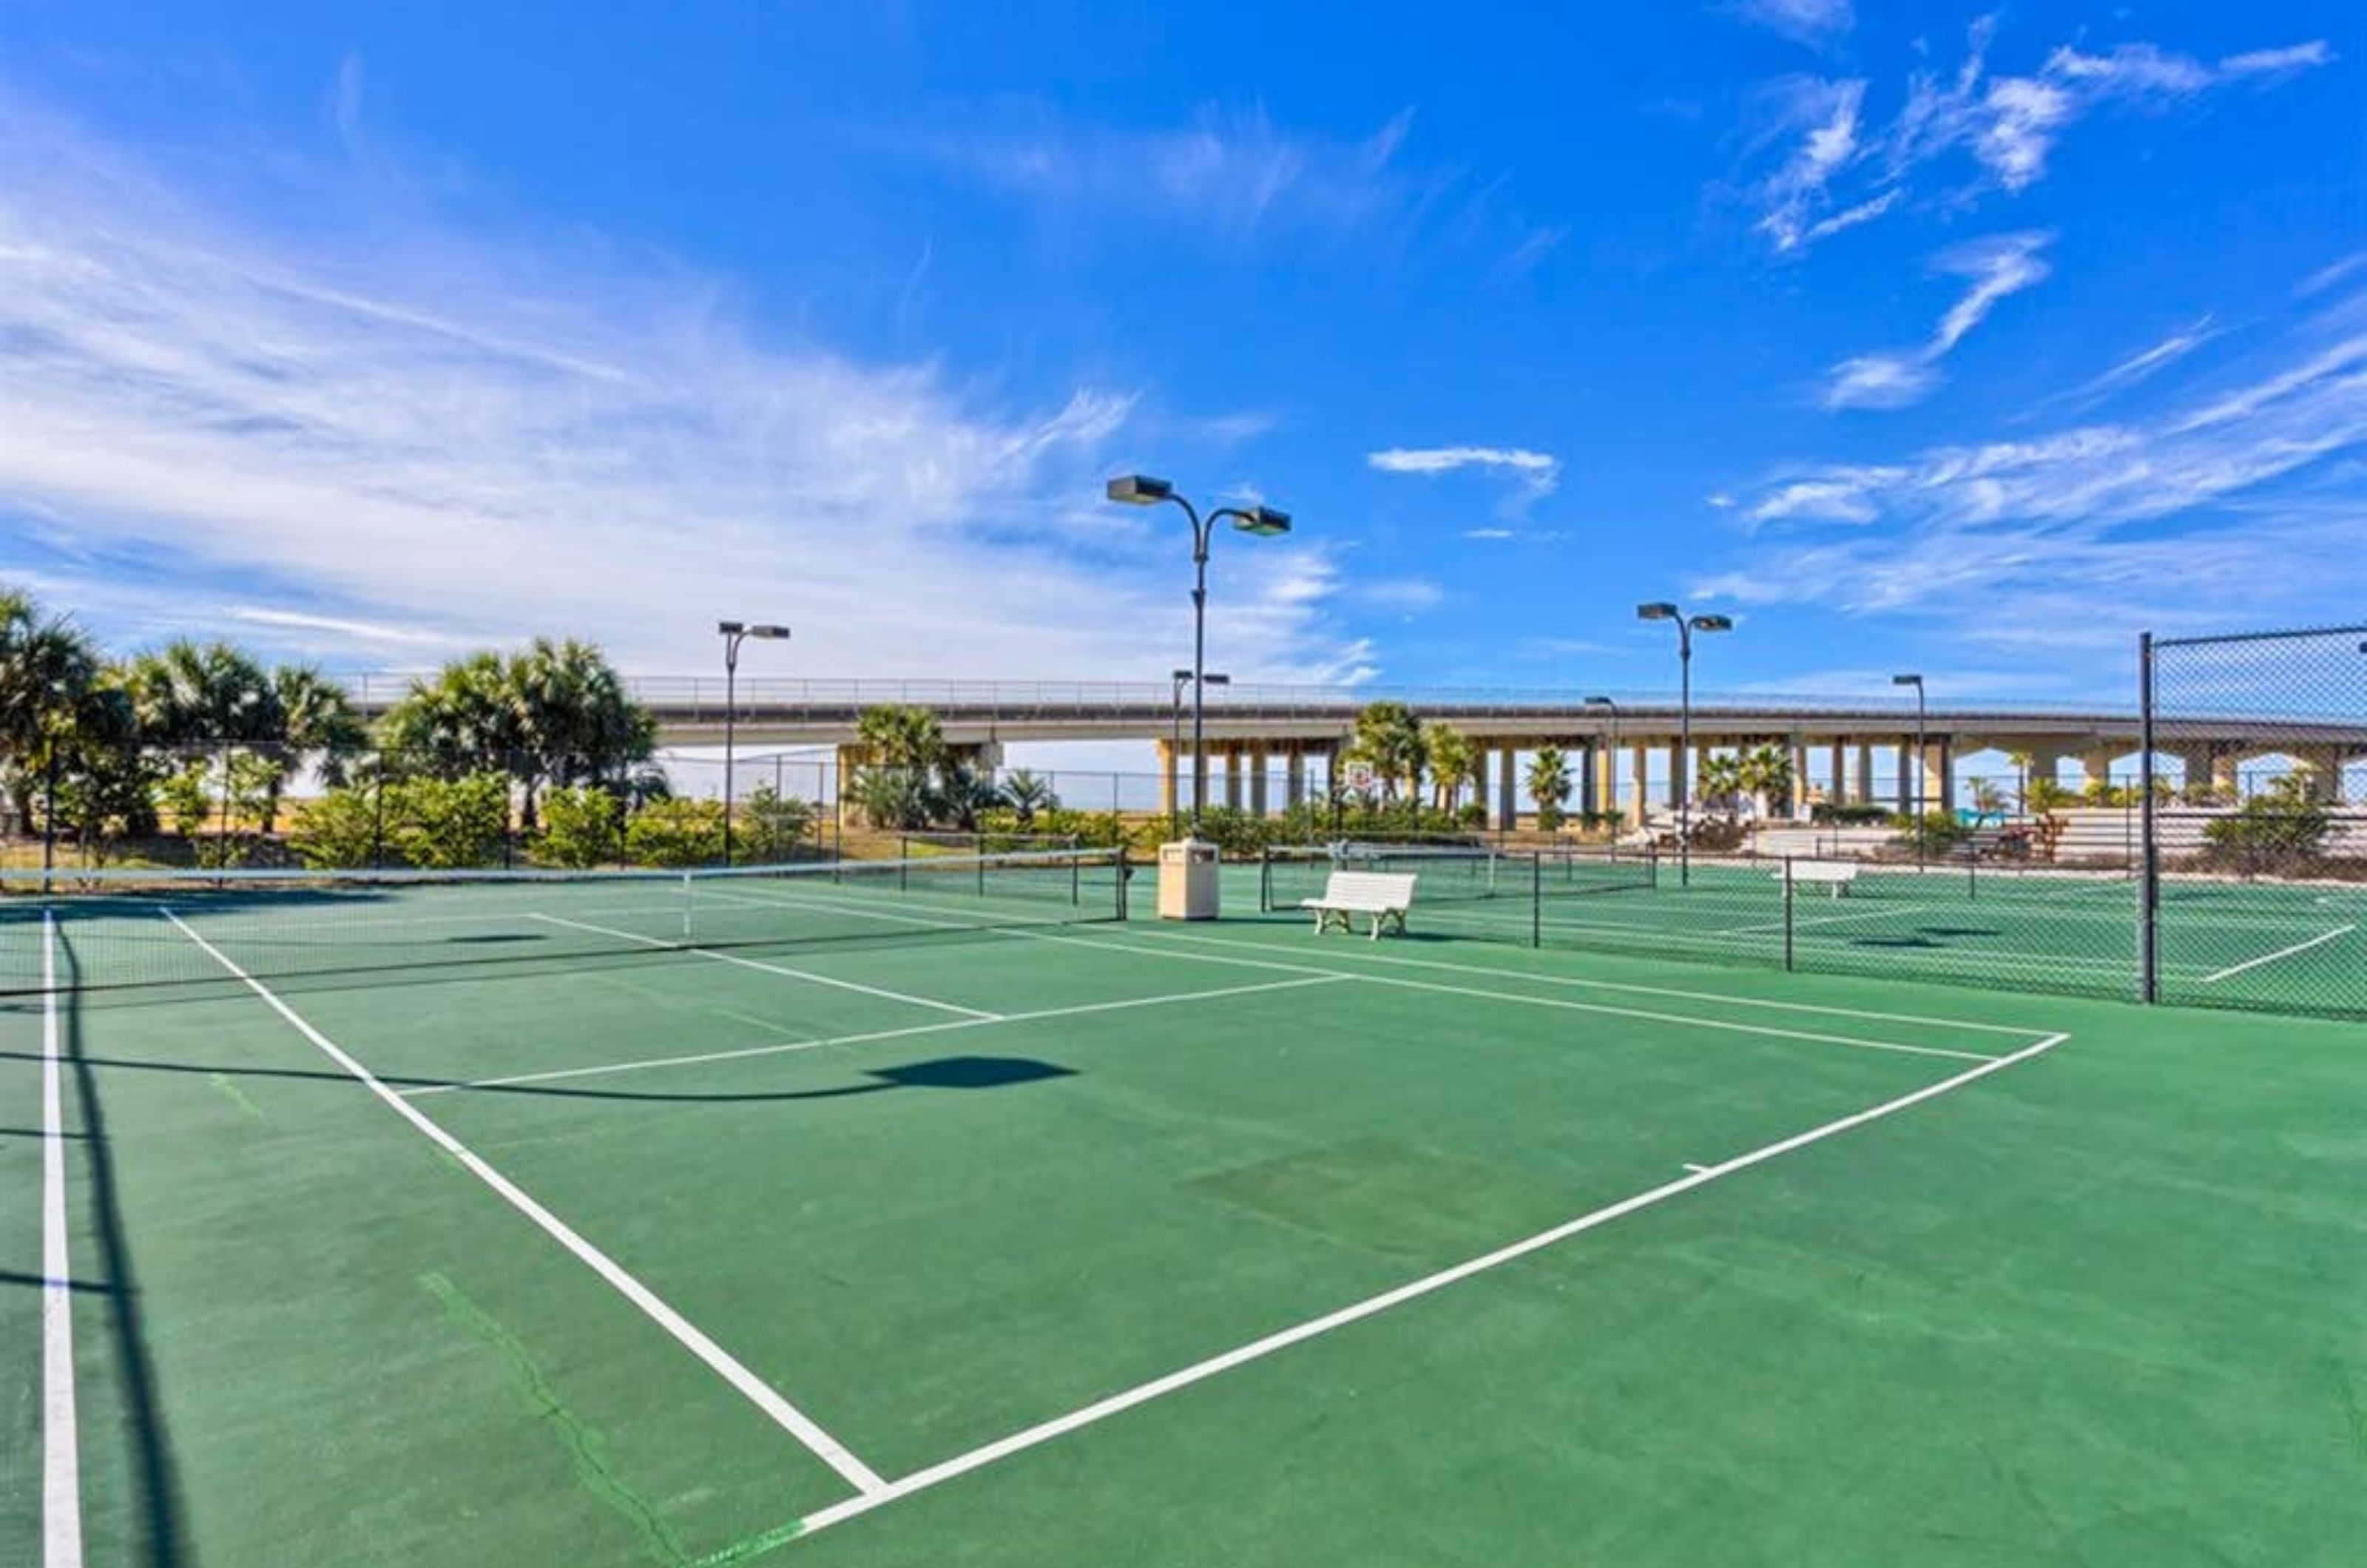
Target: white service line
<point>796,1422</point>
<point>1158,948</point>
<point>722,957</point>
<point>2236,969</point>
<point>961,1464</point>
<point>784,1048</point>
<point>61,1448</point>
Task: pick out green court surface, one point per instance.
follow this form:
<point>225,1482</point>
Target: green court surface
<point>1050,1242</point>
<point>2285,947</point>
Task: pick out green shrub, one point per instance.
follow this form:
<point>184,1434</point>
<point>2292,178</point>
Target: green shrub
<point>341,829</point>
<point>449,824</point>
<point>2283,829</point>
<point>581,828</point>
<point>185,799</point>
<point>1855,814</point>
<point>769,826</point>
<point>675,833</point>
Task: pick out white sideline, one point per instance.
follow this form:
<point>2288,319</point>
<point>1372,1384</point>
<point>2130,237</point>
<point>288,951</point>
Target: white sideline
<point>722,957</point>
<point>796,1422</point>
<point>2234,969</point>
<point>961,1464</point>
<point>784,1048</point>
<point>60,1447</point>
<point>1160,948</point>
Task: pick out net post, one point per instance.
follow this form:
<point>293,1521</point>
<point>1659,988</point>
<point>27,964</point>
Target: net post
<point>1788,899</point>
<point>903,863</point>
<point>2148,857</point>
<point>981,865</point>
<point>1125,873</point>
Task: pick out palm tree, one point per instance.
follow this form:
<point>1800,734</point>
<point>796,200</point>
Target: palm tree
<point>1389,740</point>
<point>1764,773</point>
<point>1453,760</point>
<point>1718,782</point>
<point>2022,761</point>
<point>48,668</point>
<point>1549,785</point>
<point>1027,794</point>
<point>556,713</point>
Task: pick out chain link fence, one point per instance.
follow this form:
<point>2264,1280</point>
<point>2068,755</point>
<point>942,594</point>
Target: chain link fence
<point>2256,898</point>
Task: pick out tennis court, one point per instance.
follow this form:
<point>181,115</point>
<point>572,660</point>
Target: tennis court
<point>971,1217</point>
<point>2288,947</point>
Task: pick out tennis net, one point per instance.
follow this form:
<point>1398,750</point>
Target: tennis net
<point>152,927</point>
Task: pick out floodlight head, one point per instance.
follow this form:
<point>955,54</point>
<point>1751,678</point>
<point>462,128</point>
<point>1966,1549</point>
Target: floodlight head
<point>1139,490</point>
<point>770,633</point>
<point>1600,702</point>
<point>1713,623</point>
<point>1661,611</point>
<point>1182,675</point>
<point>730,628</point>
<point>1265,522</point>
<point>1212,679</point>
<point>1906,680</point>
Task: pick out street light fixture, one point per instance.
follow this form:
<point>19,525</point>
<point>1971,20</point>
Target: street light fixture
<point>1680,776</point>
<point>733,634</point>
<point>1263,522</point>
<point>1916,681</point>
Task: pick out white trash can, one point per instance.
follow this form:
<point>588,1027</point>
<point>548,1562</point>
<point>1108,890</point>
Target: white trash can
<point>1187,880</point>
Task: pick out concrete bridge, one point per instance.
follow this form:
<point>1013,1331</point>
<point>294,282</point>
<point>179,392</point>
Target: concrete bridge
<point>1623,755</point>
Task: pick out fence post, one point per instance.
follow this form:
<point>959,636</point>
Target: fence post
<point>1787,914</point>
<point>2149,866</point>
<point>50,815</point>
<point>1536,899</point>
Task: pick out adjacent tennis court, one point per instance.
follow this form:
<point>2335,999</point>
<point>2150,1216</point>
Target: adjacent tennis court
<point>2295,947</point>
<point>968,1215</point>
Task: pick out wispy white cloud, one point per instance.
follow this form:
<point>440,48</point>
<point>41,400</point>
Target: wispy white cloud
<point>1491,534</point>
<point>1998,267</point>
<point>2328,276</point>
<point>404,432</point>
<point>2142,365</point>
<point>1535,474</point>
<point>1233,173</point>
<point>1803,21</point>
<point>2083,534</point>
<point>1835,173</point>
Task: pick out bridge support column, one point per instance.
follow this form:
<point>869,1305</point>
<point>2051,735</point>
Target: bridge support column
<point>1590,763</point>
<point>1862,793</point>
<point>1837,791</point>
<point>1605,800</point>
<point>1641,760</point>
<point>1939,772</point>
<point>1799,781</point>
<point>2226,775</point>
<point>2322,773</point>
<point>1906,773</point>
<point>850,764</point>
<point>1508,781</point>
<point>2096,768</point>
<point>1257,780</point>
<point>1233,755</point>
<point>1294,792</point>
<point>1167,780</point>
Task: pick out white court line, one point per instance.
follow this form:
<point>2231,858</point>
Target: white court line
<point>786,1047</point>
<point>2234,969</point>
<point>61,1449</point>
<point>1873,914</point>
<point>796,1422</point>
<point>1043,1432</point>
<point>1629,987</point>
<point>1159,949</point>
<point>722,957</point>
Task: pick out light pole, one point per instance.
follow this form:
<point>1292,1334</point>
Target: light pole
<point>1141,489</point>
<point>1916,681</point>
<point>1611,755</point>
<point>1680,776</point>
<point>734,633</point>
<point>1175,726</point>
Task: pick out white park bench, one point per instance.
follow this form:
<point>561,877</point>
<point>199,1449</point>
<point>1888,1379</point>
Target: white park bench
<point>1385,896</point>
<point>1835,875</point>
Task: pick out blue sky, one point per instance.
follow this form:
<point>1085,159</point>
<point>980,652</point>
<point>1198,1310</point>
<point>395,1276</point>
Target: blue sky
<point>1969,341</point>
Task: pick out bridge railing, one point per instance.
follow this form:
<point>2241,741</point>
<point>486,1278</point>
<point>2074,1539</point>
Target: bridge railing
<point>693,695</point>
